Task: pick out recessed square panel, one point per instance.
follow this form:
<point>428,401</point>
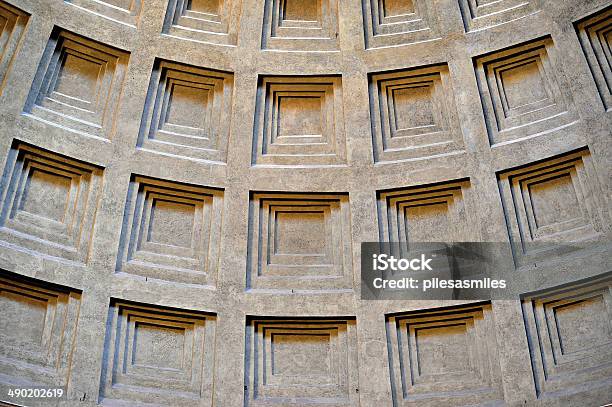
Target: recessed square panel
<point>300,116</point>
<point>205,6</point>
<point>298,354</point>
<point>79,85</point>
<point>578,324</point>
<point>31,321</point>
<point>522,93</point>
<point>301,361</point>
<point>550,204</point>
<point>158,346</point>
<point>157,355</point>
<point>483,14</point>
<point>431,218</point>
<point>300,25</point>
<point>391,23</point>
<point>171,232</point>
<point>441,349</point>
<point>299,122</point>
<point>188,106</point>
<point>300,232</point>
<point>395,8</point>
<point>47,195</point>
<point>449,352</point>
<point>413,115</point>
<point>419,214</point>
<point>570,337</point>
<point>78,78</point>
<point>49,203</point>
<point>187,112</point>
<point>301,10</point>
<point>172,223</point>
<point>523,85</point>
<point>206,21</point>
<point>554,200</point>
<point>299,241</point>
<point>37,331</point>
<point>595,36</point>
<point>12,26</point>
<point>412,107</point>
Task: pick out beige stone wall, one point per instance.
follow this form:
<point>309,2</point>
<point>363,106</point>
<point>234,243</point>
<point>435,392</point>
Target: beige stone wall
<point>186,185</point>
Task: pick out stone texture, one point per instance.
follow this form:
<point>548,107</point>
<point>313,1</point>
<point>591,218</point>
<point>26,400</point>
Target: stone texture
<point>444,357</point>
<point>186,184</point>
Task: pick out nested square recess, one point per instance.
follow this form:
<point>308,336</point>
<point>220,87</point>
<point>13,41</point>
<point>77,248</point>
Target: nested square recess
<point>570,336</point>
<point>594,35</point>
<point>78,85</point>
<point>187,112</point>
<point>37,331</point>
<point>447,356</point>
<point>171,231</point>
<point>157,355</point>
<point>522,93</point>
<point>550,204</point>
<point>209,21</point>
<point>427,213</point>
<point>300,25</point>
<point>301,361</point>
<point>123,11</point>
<point>299,121</point>
<point>299,241</point>
<point>479,15</point>
<point>49,203</point>
<point>413,114</point>
<point>389,23</point>
<point>12,26</point>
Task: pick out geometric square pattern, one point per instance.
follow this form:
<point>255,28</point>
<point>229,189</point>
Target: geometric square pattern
<point>444,357</point>
<point>416,214</point>
<point>78,85</point>
<point>550,203</point>
<point>299,241</point>
<point>37,331</point>
<point>187,112</point>
<point>299,122</point>
<point>390,23</point>
<point>12,26</point>
<point>157,355</point>
<point>49,203</point>
<point>413,114</point>
<point>521,93</point>
<point>483,14</point>
<point>208,21</point>
<point>171,232</point>
<point>595,38</point>
<point>300,25</point>
<point>301,362</point>
<point>569,332</point>
<point>123,11</point>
